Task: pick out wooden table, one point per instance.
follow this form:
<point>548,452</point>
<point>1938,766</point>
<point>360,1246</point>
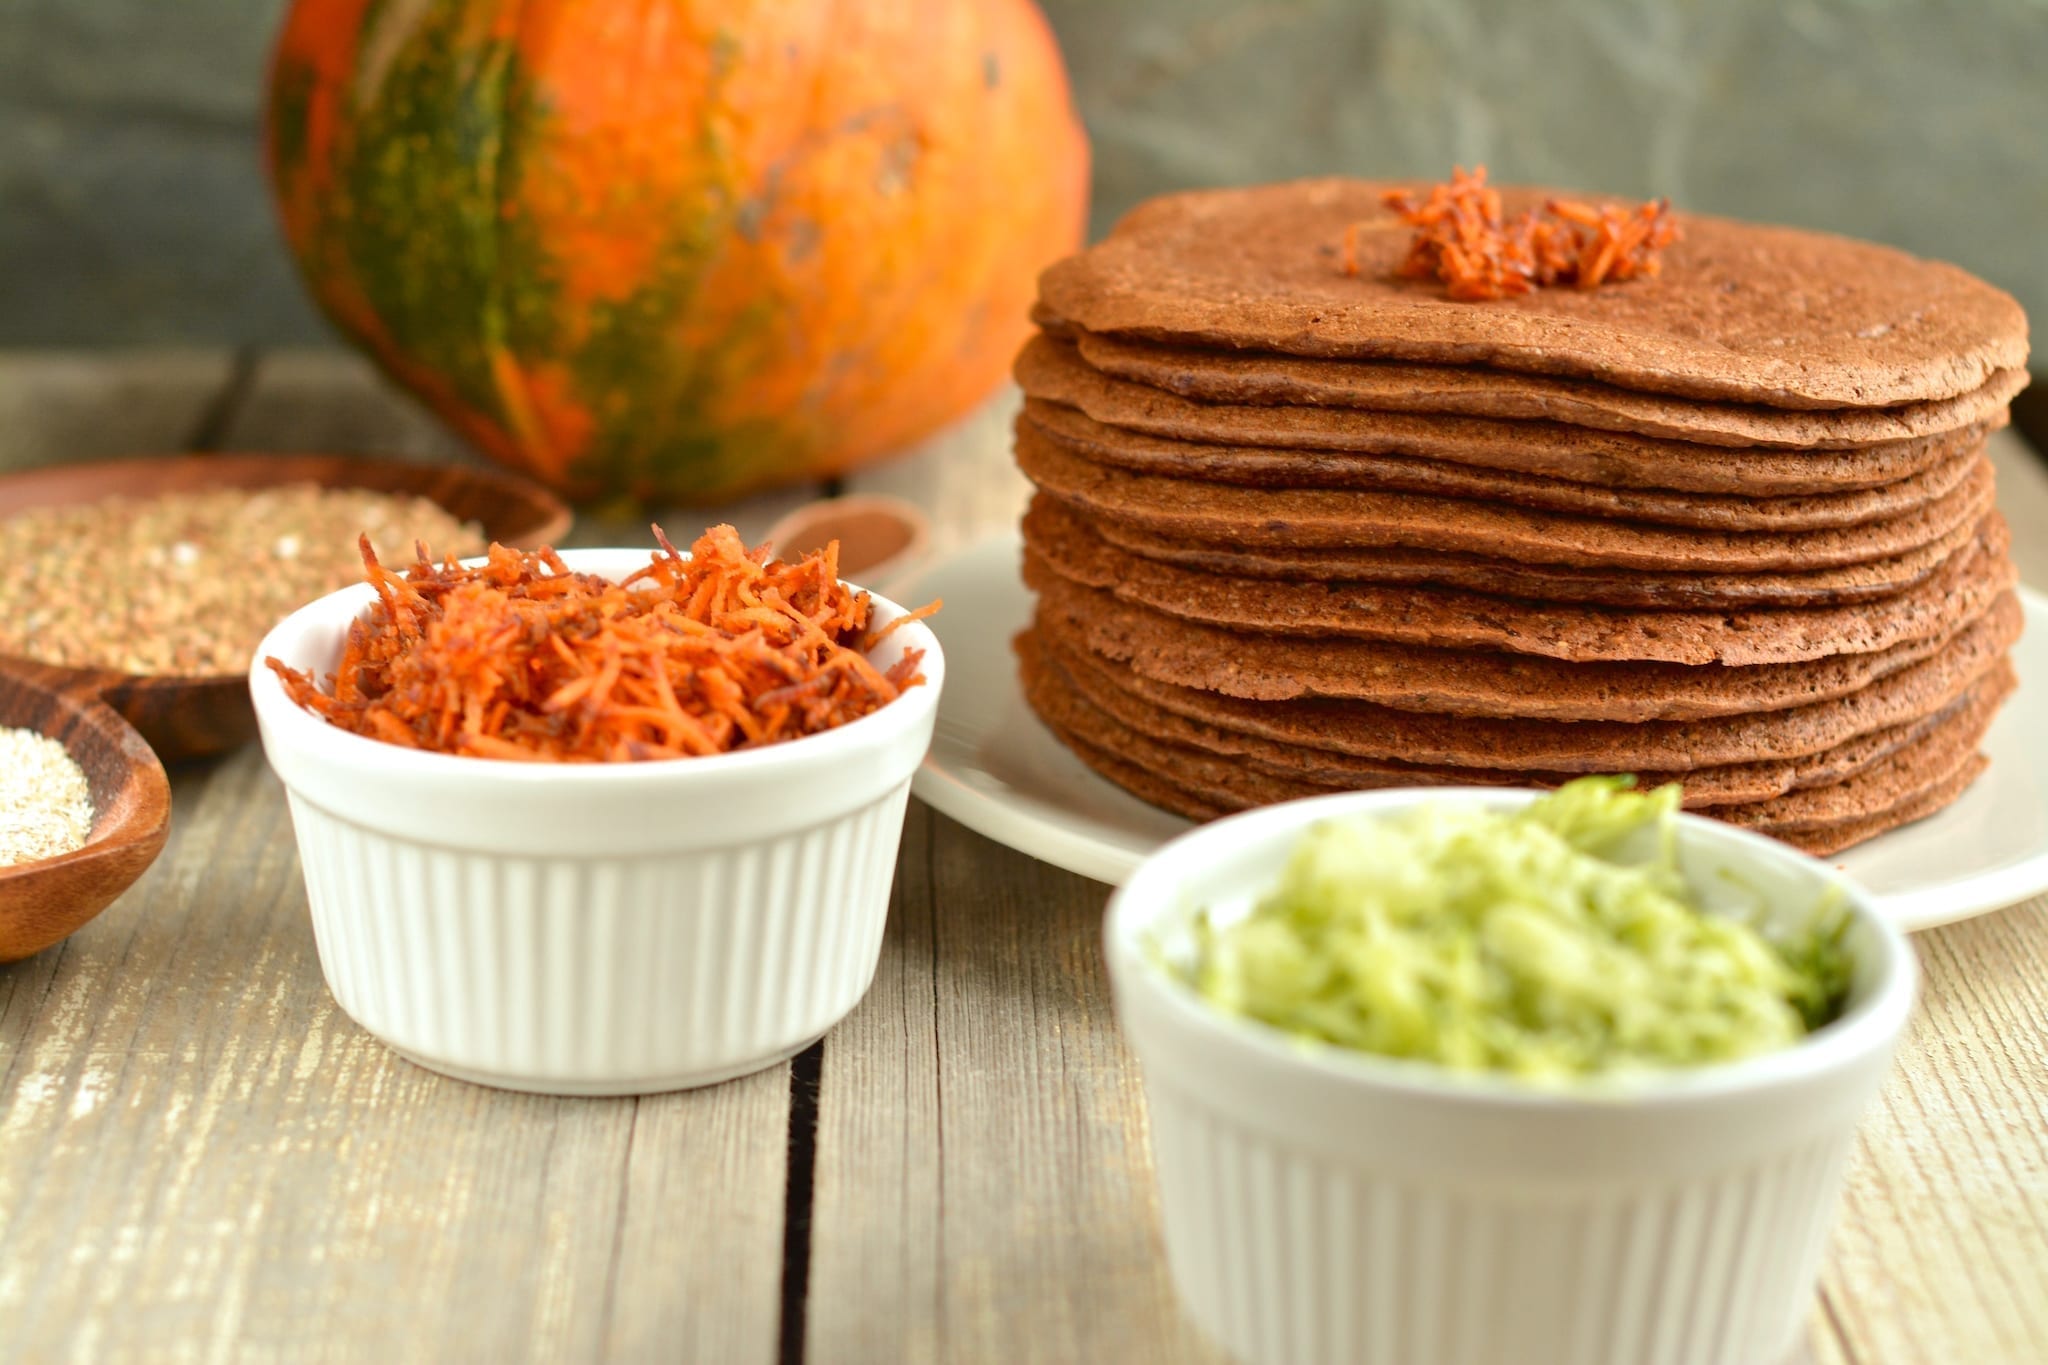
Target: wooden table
<point>202,1159</point>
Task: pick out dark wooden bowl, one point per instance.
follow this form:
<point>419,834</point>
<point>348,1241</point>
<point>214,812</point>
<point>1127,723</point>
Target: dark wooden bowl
<point>43,901</point>
<point>186,716</point>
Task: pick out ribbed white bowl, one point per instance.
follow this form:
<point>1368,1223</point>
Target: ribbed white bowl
<point>1324,1206</point>
<point>595,928</point>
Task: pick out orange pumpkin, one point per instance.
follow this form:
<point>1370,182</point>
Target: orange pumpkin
<point>678,248</point>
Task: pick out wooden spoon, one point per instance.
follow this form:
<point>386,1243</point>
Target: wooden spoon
<point>185,716</point>
<point>43,901</point>
<point>880,537</point>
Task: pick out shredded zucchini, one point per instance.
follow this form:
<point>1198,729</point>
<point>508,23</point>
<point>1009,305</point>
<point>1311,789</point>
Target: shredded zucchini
<point>1554,941</point>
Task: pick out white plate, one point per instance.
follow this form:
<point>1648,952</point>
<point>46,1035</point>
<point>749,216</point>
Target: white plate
<point>997,770</point>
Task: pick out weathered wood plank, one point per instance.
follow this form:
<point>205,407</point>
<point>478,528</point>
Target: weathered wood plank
<point>696,1264</point>
<point>1942,1250</point>
<point>202,1158</point>
<point>875,1289</point>
<point>983,1187</point>
<point>88,405</point>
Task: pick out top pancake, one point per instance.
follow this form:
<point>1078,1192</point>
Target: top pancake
<point>1741,312</point>
<point>1255,378</point>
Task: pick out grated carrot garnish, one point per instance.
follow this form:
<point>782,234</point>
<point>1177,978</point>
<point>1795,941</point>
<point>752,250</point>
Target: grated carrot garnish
<point>520,657</point>
<point>1463,239</point>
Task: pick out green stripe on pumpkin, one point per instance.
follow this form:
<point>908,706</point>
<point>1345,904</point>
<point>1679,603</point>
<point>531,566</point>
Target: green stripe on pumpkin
<point>416,206</point>
<point>655,402</point>
<point>528,277</point>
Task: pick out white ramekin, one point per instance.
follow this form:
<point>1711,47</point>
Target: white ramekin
<point>1323,1205</point>
<point>594,929</point>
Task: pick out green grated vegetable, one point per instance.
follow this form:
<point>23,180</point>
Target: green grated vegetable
<point>1553,941</point>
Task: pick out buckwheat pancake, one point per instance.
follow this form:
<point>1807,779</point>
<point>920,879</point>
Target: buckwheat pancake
<point>1832,838</point>
<point>1562,583</point>
<point>1938,766</point>
<point>1447,618</point>
<point>1175,796</point>
<point>1266,379</point>
<point>1068,688</point>
<point>1052,372</point>
<point>1476,683</point>
<point>1741,312</point>
<point>1705,788</point>
<point>1079,435</point>
<point>1368,730</point>
<point>1226,514</point>
<point>1912,781</point>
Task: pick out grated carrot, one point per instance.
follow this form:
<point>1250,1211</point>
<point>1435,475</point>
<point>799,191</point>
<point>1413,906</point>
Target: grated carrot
<point>520,657</point>
<point>1463,239</point>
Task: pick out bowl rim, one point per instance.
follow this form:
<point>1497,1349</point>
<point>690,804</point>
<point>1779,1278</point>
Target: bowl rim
<point>303,730</point>
<point>1869,1023</point>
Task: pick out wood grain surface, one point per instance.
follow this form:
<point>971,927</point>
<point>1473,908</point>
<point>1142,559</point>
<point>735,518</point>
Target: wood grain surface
<point>983,1190</point>
<point>201,1159</point>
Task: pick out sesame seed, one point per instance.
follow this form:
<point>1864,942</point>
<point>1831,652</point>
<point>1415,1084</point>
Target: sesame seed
<point>45,801</point>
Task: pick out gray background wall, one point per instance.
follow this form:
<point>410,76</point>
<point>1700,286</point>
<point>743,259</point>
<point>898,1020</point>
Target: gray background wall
<point>132,208</point>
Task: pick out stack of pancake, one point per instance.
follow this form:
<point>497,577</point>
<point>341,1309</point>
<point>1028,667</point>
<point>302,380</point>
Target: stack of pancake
<point>1298,530</point>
